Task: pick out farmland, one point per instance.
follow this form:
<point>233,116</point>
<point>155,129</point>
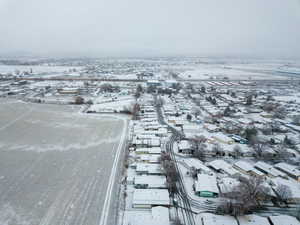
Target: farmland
<point>55,164</point>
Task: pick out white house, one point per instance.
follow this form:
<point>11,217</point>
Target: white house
<point>149,169</point>
<point>206,186</point>
<point>268,169</point>
<point>222,166</point>
<point>150,182</point>
<point>147,198</point>
<point>290,170</point>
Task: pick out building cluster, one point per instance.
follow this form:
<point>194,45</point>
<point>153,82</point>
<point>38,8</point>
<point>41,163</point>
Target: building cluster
<point>212,154</point>
<point>228,138</point>
<point>147,196</point>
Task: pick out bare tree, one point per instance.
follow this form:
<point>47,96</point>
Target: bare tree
<point>171,172</point>
<point>252,190</point>
<point>198,146</point>
<point>231,207</point>
<point>245,197</point>
<point>188,117</point>
<point>199,152</point>
<point>282,153</point>
<point>270,98</point>
<point>258,147</point>
<point>270,107</point>
<point>193,172</point>
<point>200,138</point>
<point>203,89</point>
<point>196,111</point>
<point>132,109</point>
<point>250,133</point>
<point>296,119</point>
<point>227,112</point>
<point>89,102</point>
<point>237,151</point>
<point>298,213</point>
<point>159,101</point>
<point>106,87</point>
<point>280,112</point>
<point>283,193</point>
<point>138,91</point>
<point>164,156</point>
<point>177,221</point>
<point>267,130</point>
<point>249,100</point>
<point>218,150</point>
<point>79,100</point>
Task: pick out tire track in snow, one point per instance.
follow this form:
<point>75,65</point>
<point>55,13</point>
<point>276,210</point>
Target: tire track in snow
<point>16,120</point>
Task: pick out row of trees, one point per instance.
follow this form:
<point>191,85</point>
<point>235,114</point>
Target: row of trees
<point>170,170</point>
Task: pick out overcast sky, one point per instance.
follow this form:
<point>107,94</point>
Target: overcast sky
<point>264,28</point>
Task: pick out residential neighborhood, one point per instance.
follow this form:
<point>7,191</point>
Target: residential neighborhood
<point>188,152</point>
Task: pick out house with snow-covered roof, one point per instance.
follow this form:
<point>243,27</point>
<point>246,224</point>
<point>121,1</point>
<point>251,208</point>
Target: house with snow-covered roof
<point>222,166</point>
<point>147,198</point>
<point>268,170</point>
<point>150,182</point>
<point>290,170</point>
<point>247,168</point>
<point>206,186</point>
<point>253,219</point>
<point>283,220</point>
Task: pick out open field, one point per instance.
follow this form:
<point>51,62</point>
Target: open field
<point>55,164</point>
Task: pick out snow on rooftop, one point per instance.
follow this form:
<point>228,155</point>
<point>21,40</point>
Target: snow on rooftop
<point>284,220</point>
<point>269,169</point>
<point>147,167</point>
<point>151,197</point>
<point>292,184</point>
<point>244,165</point>
<point>151,180</point>
<point>157,216</point>
<point>227,184</point>
<point>220,164</point>
<point>192,162</point>
<point>288,168</point>
<point>212,219</point>
<point>253,220</point>
<point>206,183</point>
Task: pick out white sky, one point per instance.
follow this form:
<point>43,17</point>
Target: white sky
<point>263,28</point>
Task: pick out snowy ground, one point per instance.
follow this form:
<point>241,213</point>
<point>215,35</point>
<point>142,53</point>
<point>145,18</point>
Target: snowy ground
<point>56,165</point>
<point>107,103</point>
<point>36,69</point>
<point>229,71</point>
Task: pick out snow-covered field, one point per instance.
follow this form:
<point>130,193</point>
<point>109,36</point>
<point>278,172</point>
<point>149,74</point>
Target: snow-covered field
<point>55,164</point>
<point>231,72</point>
<point>35,69</point>
<point>106,104</point>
